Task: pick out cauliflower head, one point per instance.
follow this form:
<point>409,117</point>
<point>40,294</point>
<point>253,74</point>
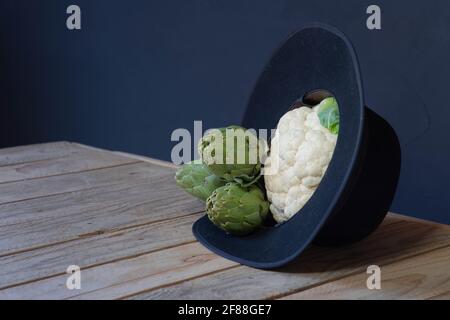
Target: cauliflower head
<point>301,150</point>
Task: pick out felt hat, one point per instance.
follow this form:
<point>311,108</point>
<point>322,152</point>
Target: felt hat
<point>358,187</point>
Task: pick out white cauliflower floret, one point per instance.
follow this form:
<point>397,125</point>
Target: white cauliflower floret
<point>301,149</point>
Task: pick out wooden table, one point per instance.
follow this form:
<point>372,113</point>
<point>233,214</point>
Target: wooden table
<point>125,223</point>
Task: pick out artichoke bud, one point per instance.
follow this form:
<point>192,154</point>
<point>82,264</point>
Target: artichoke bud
<point>196,179</point>
<point>236,209</point>
<point>233,153</point>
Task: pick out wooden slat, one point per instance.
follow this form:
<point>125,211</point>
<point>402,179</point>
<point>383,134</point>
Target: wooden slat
<point>161,163</point>
<point>402,217</point>
<point>425,276</point>
<point>158,162</point>
<point>95,250</point>
<point>37,152</point>
<point>127,173</point>
<point>111,281</point>
<point>36,222</point>
<point>82,160</point>
<point>391,242</point>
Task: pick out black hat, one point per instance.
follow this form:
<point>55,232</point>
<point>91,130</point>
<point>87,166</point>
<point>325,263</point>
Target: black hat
<point>358,187</point>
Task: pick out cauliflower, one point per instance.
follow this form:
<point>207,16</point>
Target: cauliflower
<point>301,150</point>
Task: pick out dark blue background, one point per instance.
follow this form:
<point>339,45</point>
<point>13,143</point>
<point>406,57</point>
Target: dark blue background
<point>139,69</point>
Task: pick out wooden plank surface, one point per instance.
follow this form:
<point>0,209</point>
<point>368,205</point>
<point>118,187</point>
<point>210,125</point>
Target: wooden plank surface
<point>74,159</point>
<point>36,152</point>
<point>95,250</point>
<point>68,216</point>
<point>121,218</point>
<point>71,182</point>
<point>389,243</point>
<point>126,276</point>
<point>425,276</point>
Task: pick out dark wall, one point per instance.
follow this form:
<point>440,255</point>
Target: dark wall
<point>139,69</point>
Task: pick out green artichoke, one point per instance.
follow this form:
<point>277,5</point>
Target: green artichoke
<point>237,160</point>
<point>236,209</point>
<point>196,179</point>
